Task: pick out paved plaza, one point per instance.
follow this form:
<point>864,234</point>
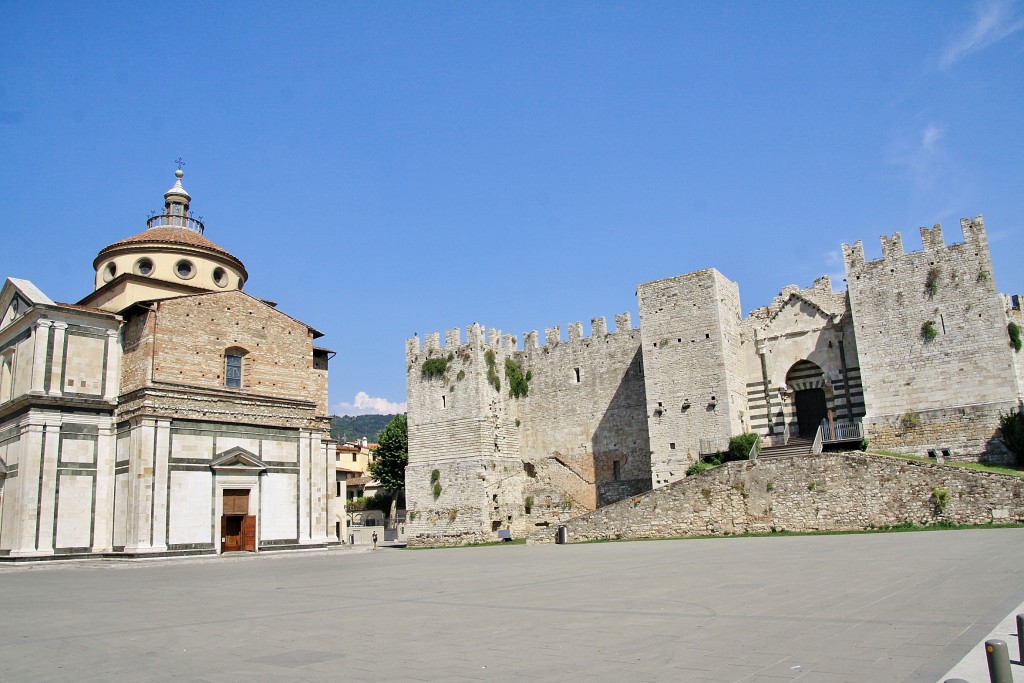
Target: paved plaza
<point>864,608</point>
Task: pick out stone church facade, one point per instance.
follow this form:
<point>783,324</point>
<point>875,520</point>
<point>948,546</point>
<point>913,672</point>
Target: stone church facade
<point>916,356</point>
<point>168,411</point>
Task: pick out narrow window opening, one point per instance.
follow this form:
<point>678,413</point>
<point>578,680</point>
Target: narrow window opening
<point>616,470</point>
<point>707,335</point>
<point>444,401</point>
<point>577,373</point>
<point>672,446</point>
<point>233,369</point>
<point>942,322</point>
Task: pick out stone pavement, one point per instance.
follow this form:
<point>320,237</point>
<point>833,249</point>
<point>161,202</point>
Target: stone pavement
<point>863,608</point>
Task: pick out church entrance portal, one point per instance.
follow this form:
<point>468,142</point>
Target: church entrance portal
<point>811,409</point>
<point>237,526</point>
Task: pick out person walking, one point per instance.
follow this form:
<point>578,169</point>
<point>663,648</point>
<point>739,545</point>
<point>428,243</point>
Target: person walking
<point>374,540</point>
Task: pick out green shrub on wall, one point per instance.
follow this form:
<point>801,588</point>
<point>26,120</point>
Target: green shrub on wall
<point>1013,329</point>
<point>941,496</point>
<point>931,283</point>
<point>910,420</point>
<point>492,370</point>
<point>434,367</point>
<point>518,383</point>
<point>928,330</point>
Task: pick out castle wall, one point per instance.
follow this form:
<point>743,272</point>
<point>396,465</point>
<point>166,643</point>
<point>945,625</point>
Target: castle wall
<point>948,293</point>
<point>826,492</point>
<point>694,368</point>
<point>576,440</point>
<point>583,425</point>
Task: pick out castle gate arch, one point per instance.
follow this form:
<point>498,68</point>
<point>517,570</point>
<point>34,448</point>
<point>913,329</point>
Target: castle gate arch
<point>810,390</point>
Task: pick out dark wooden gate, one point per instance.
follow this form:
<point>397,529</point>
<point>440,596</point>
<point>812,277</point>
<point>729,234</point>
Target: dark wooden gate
<point>237,526</point>
<point>249,533</point>
<point>811,409</point>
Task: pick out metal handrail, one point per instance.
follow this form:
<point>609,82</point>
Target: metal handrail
<point>816,447</point>
<point>175,220</point>
<point>755,449</point>
<point>842,430</point>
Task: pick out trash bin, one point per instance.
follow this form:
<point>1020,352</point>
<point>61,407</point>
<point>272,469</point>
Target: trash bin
<point>563,534</point>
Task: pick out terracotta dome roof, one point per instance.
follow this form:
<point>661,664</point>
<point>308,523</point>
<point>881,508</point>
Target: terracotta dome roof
<point>171,236</point>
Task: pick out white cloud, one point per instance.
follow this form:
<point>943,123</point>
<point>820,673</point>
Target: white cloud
<point>996,20</point>
<point>931,135</point>
<point>919,154</point>
<point>364,404</point>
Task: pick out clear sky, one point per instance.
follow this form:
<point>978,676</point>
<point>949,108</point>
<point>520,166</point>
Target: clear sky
<point>390,168</point>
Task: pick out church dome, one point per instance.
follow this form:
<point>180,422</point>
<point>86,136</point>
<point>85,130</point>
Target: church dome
<point>172,250</point>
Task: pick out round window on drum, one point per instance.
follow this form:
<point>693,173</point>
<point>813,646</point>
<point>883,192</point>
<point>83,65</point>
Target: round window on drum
<point>185,269</point>
<point>144,266</point>
<point>220,277</point>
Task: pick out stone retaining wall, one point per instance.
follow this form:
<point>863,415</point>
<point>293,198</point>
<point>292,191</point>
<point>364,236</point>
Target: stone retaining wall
<point>826,492</point>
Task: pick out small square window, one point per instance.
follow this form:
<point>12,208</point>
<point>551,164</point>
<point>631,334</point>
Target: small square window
<point>672,446</point>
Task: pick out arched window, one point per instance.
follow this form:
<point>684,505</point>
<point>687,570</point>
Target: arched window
<point>233,367</point>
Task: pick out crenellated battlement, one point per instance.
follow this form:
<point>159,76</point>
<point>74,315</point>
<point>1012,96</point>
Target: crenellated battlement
<point>931,240</point>
<point>493,338</point>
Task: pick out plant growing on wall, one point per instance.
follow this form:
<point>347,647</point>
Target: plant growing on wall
<point>518,383</point>
<point>941,496</point>
<point>928,330</point>
<point>910,420</point>
<point>1013,329</point>
<point>982,276</point>
<point>492,370</point>
<point>698,467</point>
<point>931,282</point>
<point>528,504</point>
<point>437,490</point>
<point>435,476</point>
<point>434,367</point>
<point>461,376</point>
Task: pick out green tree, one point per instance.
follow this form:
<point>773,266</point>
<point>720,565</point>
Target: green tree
<point>391,457</point>
<point>1011,425</point>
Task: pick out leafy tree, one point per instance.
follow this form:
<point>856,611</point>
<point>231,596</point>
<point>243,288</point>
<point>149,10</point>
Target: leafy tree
<point>392,455</point>
<point>391,458</point>
<point>1011,425</point>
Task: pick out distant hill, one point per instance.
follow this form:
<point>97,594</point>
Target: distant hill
<point>352,427</point>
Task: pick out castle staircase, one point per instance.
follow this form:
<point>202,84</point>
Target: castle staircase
<point>797,445</point>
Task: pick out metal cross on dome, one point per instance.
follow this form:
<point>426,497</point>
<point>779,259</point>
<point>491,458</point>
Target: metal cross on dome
<point>179,162</point>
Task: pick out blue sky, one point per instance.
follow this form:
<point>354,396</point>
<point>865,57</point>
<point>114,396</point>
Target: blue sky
<point>390,168</point>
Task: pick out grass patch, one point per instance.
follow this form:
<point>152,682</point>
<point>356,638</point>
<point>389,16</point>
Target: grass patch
<point>901,528</point>
<point>1011,470</point>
